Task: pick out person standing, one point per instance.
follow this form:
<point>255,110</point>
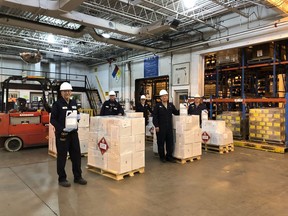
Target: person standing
<point>162,120</point>
<point>67,140</point>
<point>197,107</point>
<point>145,108</point>
<point>111,106</point>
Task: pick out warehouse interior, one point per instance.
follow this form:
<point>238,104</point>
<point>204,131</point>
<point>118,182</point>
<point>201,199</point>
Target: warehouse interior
<point>231,53</point>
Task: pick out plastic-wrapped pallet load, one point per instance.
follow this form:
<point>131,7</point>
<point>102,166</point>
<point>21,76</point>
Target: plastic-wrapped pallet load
<point>150,127</point>
<point>217,132</point>
<point>267,124</point>
<point>117,143</point>
<point>187,137</point>
<point>234,122</point>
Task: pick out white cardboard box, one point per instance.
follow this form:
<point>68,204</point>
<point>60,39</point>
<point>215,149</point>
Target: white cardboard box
<point>138,126</point>
<point>96,159</point>
<point>134,114</point>
<point>121,146</point>
<point>83,133</point>
<point>84,120</point>
<point>117,131</point>
<point>139,143</point>
<point>183,152</point>
<point>94,123</point>
<point>223,138</point>
<point>83,146</point>
<point>120,163</point>
<point>138,160</point>
<point>196,149</point>
<point>193,119</point>
<point>213,126</point>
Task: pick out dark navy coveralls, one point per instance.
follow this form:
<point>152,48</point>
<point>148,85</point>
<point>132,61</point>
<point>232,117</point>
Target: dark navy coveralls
<point>162,118</point>
<point>111,108</point>
<point>196,110</point>
<point>145,109</point>
<point>71,145</point>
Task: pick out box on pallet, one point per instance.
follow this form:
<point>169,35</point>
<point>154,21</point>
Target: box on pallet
<point>267,124</point>
<point>122,143</point>
<point>138,126</point>
<point>120,163</point>
<point>213,126</point>
<point>138,160</point>
<point>217,138</point>
<point>197,149</point>
<point>193,119</point>
<point>96,159</point>
<point>183,151</point>
<point>84,120</point>
<point>134,114</point>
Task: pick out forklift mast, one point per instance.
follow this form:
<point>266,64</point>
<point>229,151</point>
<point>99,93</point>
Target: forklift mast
<point>45,83</point>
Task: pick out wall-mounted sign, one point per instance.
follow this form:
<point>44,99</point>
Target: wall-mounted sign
<point>180,74</point>
<point>151,67</point>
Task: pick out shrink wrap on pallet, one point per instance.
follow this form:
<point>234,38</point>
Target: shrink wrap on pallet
<point>214,126</point>
<point>84,120</point>
<point>125,138</point>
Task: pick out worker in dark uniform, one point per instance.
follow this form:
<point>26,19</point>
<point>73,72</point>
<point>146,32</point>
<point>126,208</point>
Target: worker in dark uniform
<point>67,139</point>
<point>111,106</point>
<point>162,120</point>
<point>145,108</point>
<point>197,107</point>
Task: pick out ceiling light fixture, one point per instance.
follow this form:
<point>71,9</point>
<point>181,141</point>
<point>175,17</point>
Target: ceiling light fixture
<point>51,38</point>
<point>65,49</point>
<point>189,3</point>
<point>105,35</point>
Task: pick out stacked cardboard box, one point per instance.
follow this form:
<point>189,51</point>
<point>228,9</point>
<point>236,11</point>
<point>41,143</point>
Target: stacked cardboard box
<point>125,140</point>
<point>217,132</point>
<point>234,122</point>
<point>83,132</point>
<point>267,124</point>
<point>187,137</point>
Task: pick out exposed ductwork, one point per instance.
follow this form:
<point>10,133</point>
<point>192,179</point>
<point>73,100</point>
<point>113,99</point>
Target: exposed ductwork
<point>64,10</point>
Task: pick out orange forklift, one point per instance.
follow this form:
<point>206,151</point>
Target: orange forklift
<point>22,127</point>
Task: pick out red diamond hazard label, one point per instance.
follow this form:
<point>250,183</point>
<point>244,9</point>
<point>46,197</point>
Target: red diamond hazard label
<point>205,137</point>
<point>103,146</point>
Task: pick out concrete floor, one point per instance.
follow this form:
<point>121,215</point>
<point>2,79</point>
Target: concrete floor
<point>245,182</point>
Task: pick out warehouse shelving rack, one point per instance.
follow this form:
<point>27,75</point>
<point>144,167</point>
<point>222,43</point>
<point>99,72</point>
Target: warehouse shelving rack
<point>243,101</point>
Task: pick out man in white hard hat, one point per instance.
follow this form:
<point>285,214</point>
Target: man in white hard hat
<point>144,107</point>
<point>162,120</point>
<point>197,107</point>
<point>67,139</point>
<point>111,106</point>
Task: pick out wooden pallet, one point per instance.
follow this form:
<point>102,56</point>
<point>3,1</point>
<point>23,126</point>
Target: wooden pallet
<point>113,175</point>
<point>218,148</point>
<point>186,160</point>
<point>267,141</point>
<point>261,146</point>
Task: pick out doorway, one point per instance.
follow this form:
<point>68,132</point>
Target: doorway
<point>180,97</point>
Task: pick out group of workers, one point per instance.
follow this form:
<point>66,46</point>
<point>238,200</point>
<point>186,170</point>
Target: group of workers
<point>68,141</point>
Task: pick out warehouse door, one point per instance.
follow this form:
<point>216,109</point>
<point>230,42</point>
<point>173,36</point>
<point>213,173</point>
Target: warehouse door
<point>180,97</point>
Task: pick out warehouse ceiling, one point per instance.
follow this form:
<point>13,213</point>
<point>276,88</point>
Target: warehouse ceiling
<point>94,31</point>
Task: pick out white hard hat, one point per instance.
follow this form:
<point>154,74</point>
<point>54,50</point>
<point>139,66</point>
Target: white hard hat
<point>163,92</point>
<point>65,86</point>
<point>112,93</point>
<point>142,97</point>
<point>197,96</point>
